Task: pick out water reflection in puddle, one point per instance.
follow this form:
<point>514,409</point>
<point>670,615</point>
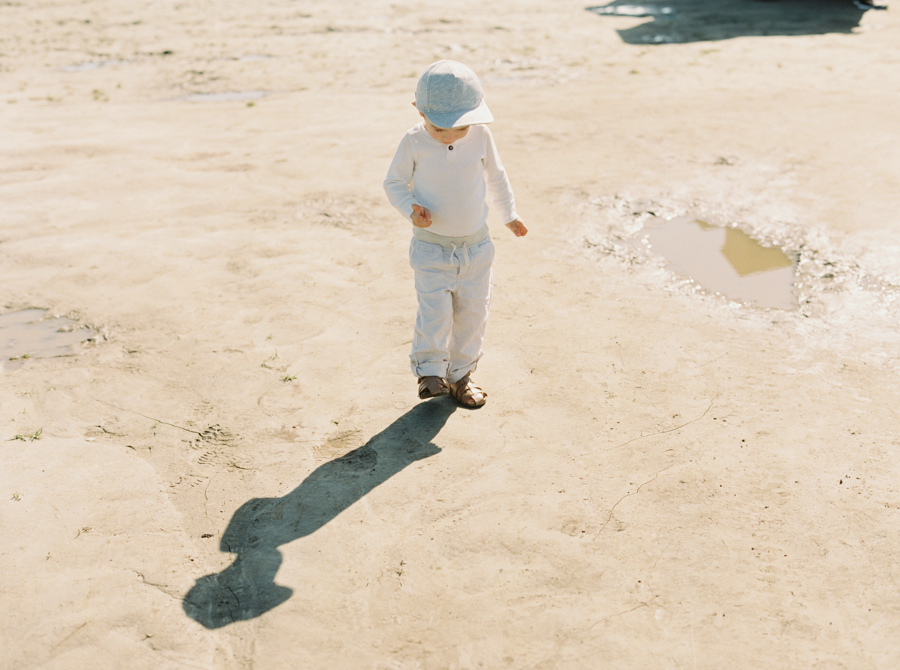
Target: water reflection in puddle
<point>227,96</point>
<point>631,10</point>
<point>27,334</point>
<point>725,260</point>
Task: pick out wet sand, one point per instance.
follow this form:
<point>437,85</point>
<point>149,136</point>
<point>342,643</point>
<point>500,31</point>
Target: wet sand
<point>237,473</point>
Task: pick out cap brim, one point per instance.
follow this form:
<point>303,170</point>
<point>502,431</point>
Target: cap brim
<point>480,114</point>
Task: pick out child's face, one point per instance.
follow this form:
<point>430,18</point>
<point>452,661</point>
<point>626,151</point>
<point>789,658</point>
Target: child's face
<point>444,135</point>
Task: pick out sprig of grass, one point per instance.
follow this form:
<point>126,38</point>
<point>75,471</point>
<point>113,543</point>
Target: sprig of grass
<point>265,363</point>
<point>29,437</point>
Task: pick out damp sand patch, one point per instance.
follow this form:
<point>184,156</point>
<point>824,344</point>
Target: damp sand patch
<point>226,96</point>
<point>30,333</point>
<point>247,58</point>
<point>94,65</point>
<point>724,260</point>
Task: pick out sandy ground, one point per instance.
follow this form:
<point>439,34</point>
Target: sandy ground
<point>237,473</point>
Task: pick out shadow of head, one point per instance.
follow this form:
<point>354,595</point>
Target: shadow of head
<point>247,588</point>
<point>680,21</point>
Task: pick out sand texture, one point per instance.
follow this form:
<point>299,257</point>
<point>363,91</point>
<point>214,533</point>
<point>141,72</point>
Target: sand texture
<point>233,469</point>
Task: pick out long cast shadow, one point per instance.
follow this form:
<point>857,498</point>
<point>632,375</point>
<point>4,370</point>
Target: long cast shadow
<point>246,589</point>
<point>680,21</point>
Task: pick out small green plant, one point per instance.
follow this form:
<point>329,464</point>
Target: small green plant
<point>17,496</point>
<point>273,357</point>
<point>288,378</point>
<point>30,437</point>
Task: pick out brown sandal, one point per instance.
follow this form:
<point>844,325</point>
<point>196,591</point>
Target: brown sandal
<point>467,394</point>
<point>432,387</point>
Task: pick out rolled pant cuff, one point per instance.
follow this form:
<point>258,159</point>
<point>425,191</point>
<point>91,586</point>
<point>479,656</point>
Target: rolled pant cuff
<point>430,370</point>
<point>456,375</point>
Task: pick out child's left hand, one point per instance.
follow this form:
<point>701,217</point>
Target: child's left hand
<point>518,228</point>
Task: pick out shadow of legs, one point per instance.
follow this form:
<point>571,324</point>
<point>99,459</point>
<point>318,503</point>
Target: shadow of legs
<point>247,589</point>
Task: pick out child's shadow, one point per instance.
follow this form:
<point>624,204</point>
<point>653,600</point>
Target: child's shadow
<point>246,588</point>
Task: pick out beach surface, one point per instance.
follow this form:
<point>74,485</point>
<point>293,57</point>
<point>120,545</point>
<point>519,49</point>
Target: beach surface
<point>230,468</point>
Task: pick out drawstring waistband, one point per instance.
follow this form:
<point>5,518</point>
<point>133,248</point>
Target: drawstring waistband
<point>425,235</point>
<point>453,243</point>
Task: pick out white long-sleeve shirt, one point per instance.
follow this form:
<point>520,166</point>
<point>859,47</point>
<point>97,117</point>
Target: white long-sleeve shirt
<point>451,181</point>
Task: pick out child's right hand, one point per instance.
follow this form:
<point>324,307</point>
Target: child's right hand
<point>420,217</point>
<point>518,228</point>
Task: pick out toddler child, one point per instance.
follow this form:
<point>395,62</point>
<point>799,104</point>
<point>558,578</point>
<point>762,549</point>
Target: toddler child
<point>442,174</point>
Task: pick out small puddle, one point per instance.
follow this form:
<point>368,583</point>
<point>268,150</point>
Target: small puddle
<point>631,10</point>
<point>227,96</point>
<point>725,260</point>
<point>27,334</point>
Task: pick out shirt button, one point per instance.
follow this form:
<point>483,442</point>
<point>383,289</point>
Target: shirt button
<point>450,147</point>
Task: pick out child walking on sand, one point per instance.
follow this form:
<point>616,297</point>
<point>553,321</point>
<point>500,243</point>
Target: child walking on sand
<point>444,170</point>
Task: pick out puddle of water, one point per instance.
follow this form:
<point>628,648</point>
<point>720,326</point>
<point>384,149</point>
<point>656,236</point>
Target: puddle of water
<point>93,65</point>
<point>725,260</point>
<point>27,334</point>
<point>631,10</point>
<point>228,96</point>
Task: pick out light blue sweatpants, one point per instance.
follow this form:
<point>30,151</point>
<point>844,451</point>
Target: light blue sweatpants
<point>453,286</point>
